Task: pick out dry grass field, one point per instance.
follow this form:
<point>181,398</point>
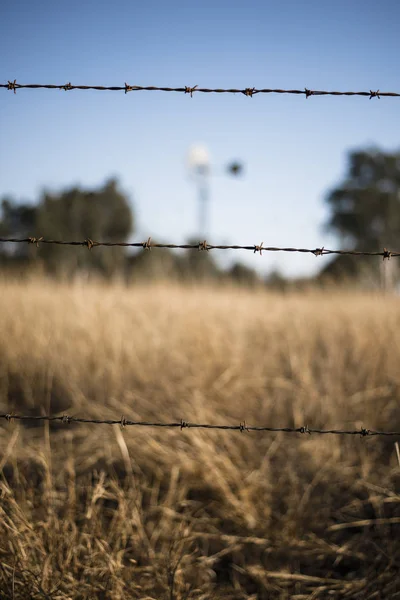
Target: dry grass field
<point>96,511</point>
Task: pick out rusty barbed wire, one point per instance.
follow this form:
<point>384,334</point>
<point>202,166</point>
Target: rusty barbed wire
<point>182,424</point>
<point>13,86</point>
<point>200,246</point>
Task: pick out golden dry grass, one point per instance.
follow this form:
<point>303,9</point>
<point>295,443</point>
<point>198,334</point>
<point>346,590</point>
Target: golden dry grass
<point>96,512</point>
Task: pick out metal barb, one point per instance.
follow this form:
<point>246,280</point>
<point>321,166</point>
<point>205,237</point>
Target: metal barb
<point>374,95</point>
<point>12,85</point>
<point>203,246</point>
<point>34,240</point>
<point>89,243</point>
<point>249,92</point>
<point>147,244</point>
<point>190,90</point>
<point>305,429</point>
<point>259,248</point>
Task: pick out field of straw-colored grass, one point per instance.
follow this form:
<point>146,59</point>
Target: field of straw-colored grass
<point>96,511</point>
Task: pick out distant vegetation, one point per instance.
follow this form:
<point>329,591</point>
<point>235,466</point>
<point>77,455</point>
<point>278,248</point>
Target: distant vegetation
<point>364,213</point>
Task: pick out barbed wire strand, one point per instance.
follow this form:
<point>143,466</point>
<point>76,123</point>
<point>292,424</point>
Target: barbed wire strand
<point>13,86</point>
<point>201,246</point>
<point>182,424</point>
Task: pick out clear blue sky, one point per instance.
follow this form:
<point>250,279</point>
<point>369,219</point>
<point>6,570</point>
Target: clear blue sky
<point>294,149</point>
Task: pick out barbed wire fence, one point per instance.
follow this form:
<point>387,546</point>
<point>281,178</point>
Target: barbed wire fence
<point>182,424</point>
<point>200,246</point>
<point>13,86</point>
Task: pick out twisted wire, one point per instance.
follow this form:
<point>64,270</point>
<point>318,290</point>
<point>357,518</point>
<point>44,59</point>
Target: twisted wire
<point>182,424</point>
<point>201,246</point>
<point>13,86</point>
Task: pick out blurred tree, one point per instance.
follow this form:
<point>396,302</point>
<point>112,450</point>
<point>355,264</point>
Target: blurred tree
<point>365,207</point>
<point>244,275</point>
<point>199,265</point>
<point>276,281</point>
<point>156,264</point>
<point>74,214</point>
<point>192,265</point>
<point>16,219</point>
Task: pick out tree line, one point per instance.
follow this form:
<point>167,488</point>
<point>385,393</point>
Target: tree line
<point>103,214</point>
<point>364,213</point>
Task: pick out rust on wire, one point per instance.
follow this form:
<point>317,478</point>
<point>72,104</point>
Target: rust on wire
<point>190,90</point>
<point>305,429</point>
<point>11,85</point>
<point>201,246</point>
<point>147,244</point>
<point>89,243</point>
<point>33,240</point>
<point>247,91</point>
<point>182,424</point>
<point>250,92</point>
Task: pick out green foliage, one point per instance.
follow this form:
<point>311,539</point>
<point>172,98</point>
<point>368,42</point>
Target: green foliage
<point>365,212</point>
<point>365,207</point>
<point>73,214</point>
